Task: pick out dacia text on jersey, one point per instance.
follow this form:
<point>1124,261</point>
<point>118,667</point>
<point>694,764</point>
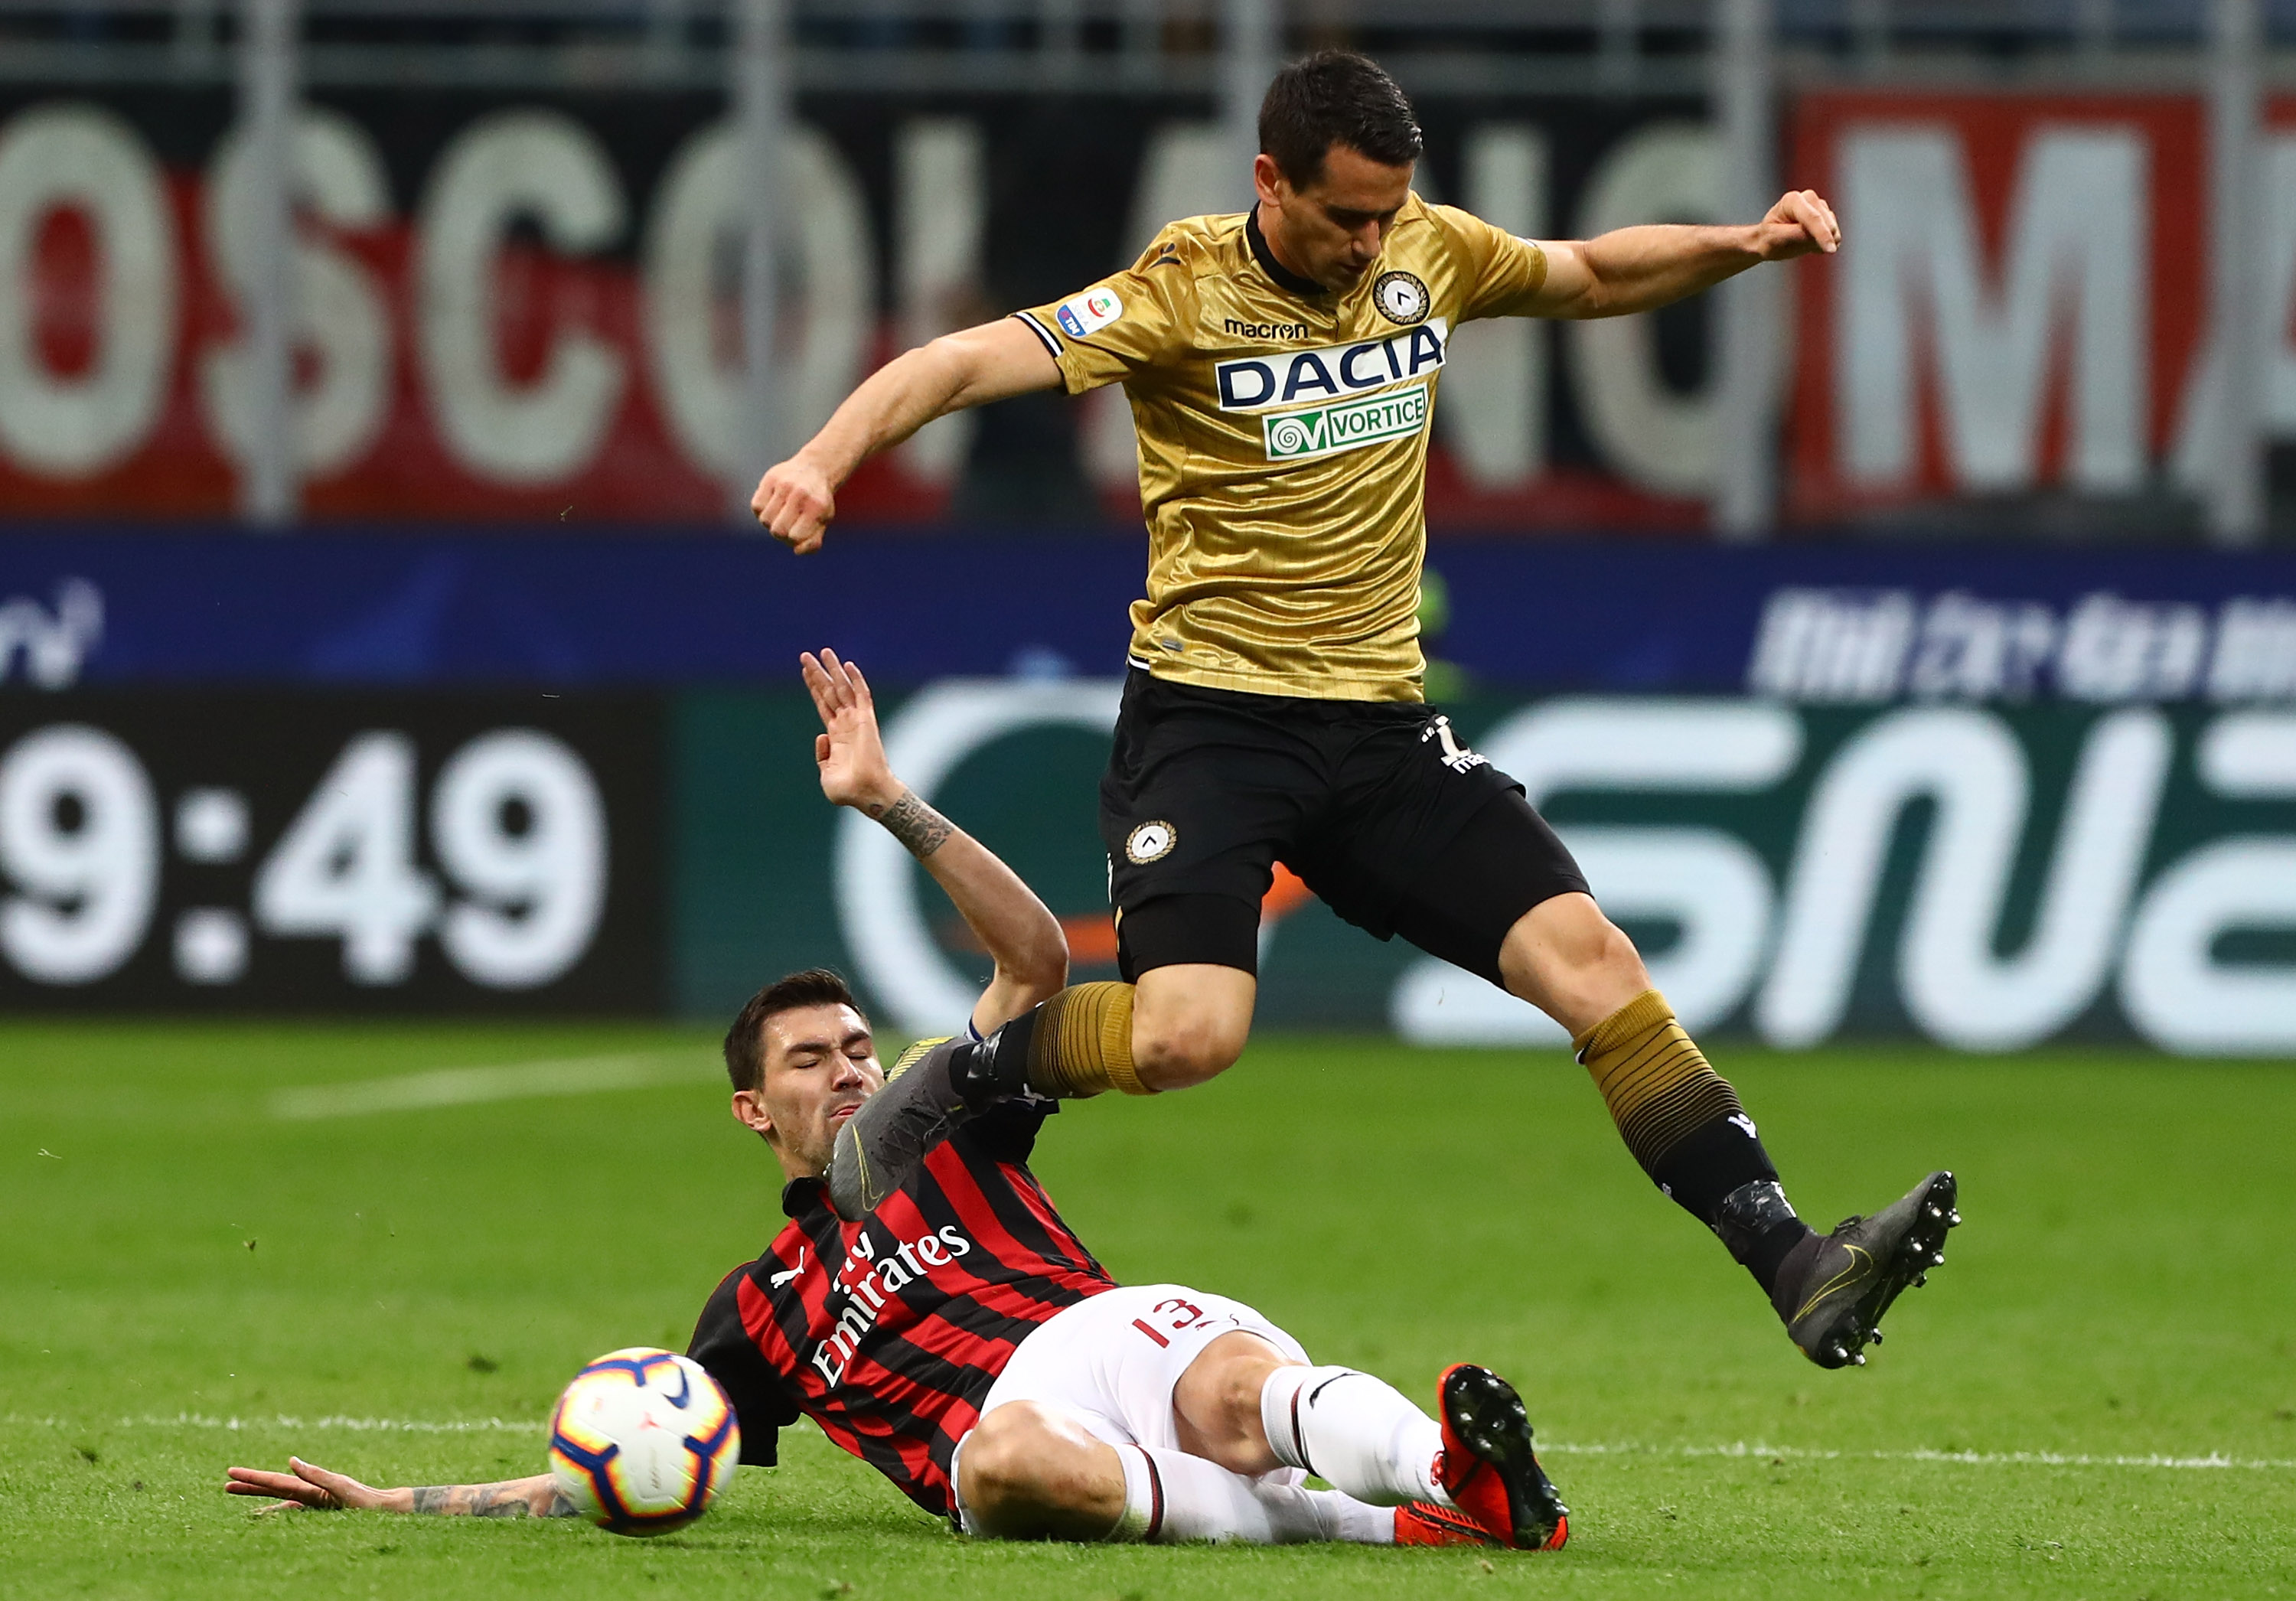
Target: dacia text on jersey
<point>867,1280</point>
<point>1330,371</point>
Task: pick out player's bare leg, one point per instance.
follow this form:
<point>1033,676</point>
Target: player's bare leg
<point>1572,962</point>
<point>1216,1404</point>
<point>1181,1025</point>
<point>1685,1126</point>
<point>1032,1472</point>
<point>1189,1023</point>
<point>1028,1472</point>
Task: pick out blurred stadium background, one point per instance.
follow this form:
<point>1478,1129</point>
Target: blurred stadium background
<point>397,715</point>
<point>1907,639</point>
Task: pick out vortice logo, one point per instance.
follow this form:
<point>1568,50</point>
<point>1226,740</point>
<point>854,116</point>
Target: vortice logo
<point>1325,429</point>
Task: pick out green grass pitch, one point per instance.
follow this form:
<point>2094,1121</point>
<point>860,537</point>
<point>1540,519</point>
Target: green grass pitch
<point>399,1293</point>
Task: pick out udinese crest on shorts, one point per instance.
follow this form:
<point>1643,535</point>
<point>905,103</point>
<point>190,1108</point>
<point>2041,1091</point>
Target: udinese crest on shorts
<point>1150,843</point>
<point>1401,297</point>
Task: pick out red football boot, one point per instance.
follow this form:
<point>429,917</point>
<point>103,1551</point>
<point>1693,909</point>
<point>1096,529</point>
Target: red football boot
<point>1424,1524</point>
<point>1488,1467</point>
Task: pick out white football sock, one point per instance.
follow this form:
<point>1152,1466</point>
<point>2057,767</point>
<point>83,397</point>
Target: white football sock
<point>1357,1432</point>
<point>1171,1497</point>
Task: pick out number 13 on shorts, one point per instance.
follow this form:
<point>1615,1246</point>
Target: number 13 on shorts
<point>1177,1316</point>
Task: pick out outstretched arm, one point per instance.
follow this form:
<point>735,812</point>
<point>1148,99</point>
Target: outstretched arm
<point>796,498</point>
<point>1643,268</point>
<point>1022,935</point>
<point>317,1490</point>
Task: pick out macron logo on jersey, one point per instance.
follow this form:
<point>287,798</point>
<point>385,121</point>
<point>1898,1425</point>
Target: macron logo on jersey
<point>1089,313</point>
<point>1332,373</point>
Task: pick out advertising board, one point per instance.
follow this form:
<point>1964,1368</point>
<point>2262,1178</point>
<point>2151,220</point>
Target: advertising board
<point>1989,797</point>
<point>2022,305</point>
<point>1817,623</point>
<point>1988,877</point>
<point>524,306</point>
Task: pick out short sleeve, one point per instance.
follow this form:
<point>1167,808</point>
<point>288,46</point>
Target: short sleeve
<point>1499,273</point>
<point>1123,325</point>
<point>723,1346</point>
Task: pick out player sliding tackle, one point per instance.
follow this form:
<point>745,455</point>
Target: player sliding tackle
<point>1281,367</point>
<point>965,1344</point>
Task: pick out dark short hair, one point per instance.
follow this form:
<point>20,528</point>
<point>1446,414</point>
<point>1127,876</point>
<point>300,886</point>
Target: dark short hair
<point>1335,97</point>
<point>745,1041</point>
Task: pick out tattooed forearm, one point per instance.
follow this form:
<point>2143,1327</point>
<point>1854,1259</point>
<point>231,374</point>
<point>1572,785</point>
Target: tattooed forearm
<point>914,823</point>
<point>515,1498</point>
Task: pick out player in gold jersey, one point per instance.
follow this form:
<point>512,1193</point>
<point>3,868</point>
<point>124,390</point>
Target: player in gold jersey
<point>1281,366</point>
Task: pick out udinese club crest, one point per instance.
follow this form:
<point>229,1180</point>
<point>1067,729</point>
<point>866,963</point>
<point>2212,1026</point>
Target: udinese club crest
<point>1150,842</point>
<point>1401,297</point>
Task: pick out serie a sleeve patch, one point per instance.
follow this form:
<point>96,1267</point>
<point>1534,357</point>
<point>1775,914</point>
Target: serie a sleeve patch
<point>1089,312</point>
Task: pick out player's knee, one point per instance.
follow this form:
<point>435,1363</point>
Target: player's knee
<point>1024,1476</point>
<point>1218,1399</point>
<point>1190,1022</point>
<point>1172,1051</point>
<point>998,1468</point>
<point>1610,956</point>
<point>1568,958</point>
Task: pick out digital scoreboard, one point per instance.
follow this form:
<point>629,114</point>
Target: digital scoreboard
<point>267,852</point>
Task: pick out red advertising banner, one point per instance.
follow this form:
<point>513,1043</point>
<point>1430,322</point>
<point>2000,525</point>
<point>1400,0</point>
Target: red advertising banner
<point>521,336</point>
<point>528,309</point>
<point>2021,305</point>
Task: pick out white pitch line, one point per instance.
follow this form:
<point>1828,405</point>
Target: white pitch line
<point>364,1425</point>
<point>2213,1461</point>
<point>469,1085</point>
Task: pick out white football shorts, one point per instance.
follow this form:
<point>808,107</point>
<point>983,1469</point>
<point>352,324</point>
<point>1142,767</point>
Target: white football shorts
<point>1112,1361</point>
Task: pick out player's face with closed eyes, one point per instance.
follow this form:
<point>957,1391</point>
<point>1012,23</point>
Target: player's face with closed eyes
<point>820,1065</point>
<point>1334,228</point>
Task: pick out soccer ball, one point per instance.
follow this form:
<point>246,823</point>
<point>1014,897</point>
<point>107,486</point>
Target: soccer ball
<point>641,1440</point>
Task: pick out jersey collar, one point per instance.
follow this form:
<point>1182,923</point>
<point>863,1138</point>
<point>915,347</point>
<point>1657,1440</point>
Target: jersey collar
<point>1284,277</point>
<point>802,1197</point>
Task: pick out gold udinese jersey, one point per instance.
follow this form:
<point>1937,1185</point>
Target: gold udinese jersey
<point>1283,436</point>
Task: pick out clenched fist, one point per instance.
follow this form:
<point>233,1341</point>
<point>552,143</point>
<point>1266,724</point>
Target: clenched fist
<point>795,502</point>
<point>1802,224</point>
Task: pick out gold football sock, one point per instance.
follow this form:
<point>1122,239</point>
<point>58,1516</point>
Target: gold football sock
<point>1082,1043</point>
<point>1684,1123</point>
<point>1654,1079</point>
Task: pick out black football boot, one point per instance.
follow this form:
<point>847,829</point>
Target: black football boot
<point>1832,1288</point>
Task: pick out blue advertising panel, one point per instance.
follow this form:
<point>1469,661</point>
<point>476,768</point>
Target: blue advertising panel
<point>1820,624</point>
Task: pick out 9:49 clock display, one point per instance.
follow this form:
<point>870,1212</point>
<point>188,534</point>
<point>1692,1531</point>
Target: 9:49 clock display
<point>316,851</point>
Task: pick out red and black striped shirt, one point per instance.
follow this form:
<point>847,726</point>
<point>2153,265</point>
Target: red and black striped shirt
<point>889,1332</point>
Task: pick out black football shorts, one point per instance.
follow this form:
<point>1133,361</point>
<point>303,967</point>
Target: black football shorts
<point>1375,804</point>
